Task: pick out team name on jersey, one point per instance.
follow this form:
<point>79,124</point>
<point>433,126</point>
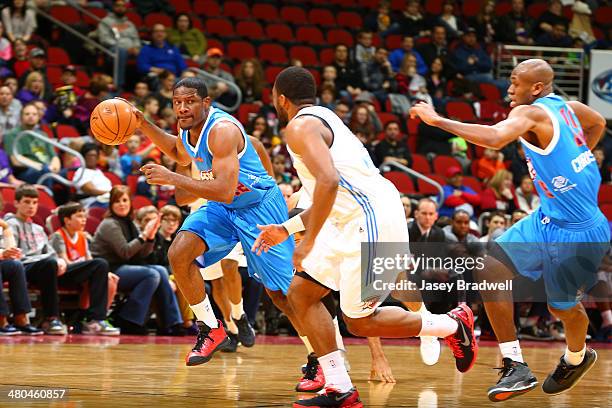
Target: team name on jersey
<point>206,175</point>
<point>583,160</point>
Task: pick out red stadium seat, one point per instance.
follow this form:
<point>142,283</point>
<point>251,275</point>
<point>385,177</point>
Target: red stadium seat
<point>8,195</point>
<point>491,111</point>
<point>327,56</point>
<point>535,10</point>
<point>393,42</point>
<point>139,201</point>
<point>240,50</point>
<point>293,15</point>
<point>66,14</point>
<point>158,18</point>
<point>98,12</point>
<point>321,17</point>
<point>54,75</point>
<point>316,75</point>
<point>115,180</point>
<point>57,56</point>
<point>426,188</point>
<point>265,12</point>
<point>134,18</point>
<point>52,223</point>
<point>460,111</point>
<point>214,43</point>
<point>401,180</point>
<point>398,5</point>
<point>91,225</point>
<point>420,164</point>
<point>473,183</point>
<point>271,73</point>
<point>208,8</point>
<point>182,6</point>
<point>307,55</point>
<point>605,193</point>
<point>339,36</point>
<point>349,19</point>
<point>441,163</point>
<point>310,35</point>
<point>371,4</point>
<point>279,32</point>
<point>386,117</point>
<point>82,79</point>
<point>489,91</point>
<point>63,131</point>
<point>607,210</point>
<point>250,29</point>
<point>245,110</point>
<point>433,7</point>
<point>603,16</point>
<point>219,26</point>
<point>470,8</point>
<point>99,212</point>
<point>236,9</point>
<point>503,8</point>
<point>45,200</point>
<point>273,53</point>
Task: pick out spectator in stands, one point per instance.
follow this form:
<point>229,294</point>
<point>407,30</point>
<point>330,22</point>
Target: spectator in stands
<point>495,225</point>
<point>342,110</point>
<point>131,161</point>
<point>364,50</point>
<point>70,244</point>
<point>250,79</point>
<point>436,48</point>
<point>33,90</point>
<point>393,147</point>
<point>526,197</point>
<point>13,272</point>
<point>327,97</point>
<point>459,149</point>
<point>41,264</point>
<point>459,229</point>
<point>117,32</point>
<point>409,83</point>
<point>433,139</point>
<point>69,78</point>
<point>411,22</point>
<point>580,26</point>
<point>349,82</point>
<point>473,62</point>
<point>20,62</point>
<point>159,55</point>
<point>100,86</point>
<point>450,20</point>
<point>118,240</point>
<point>279,162</point>
<point>6,170</point>
<point>456,195</point>
<point>91,182</point>
<point>549,18</point>
<point>517,215</point>
<point>156,193</point>
<point>424,228</point>
<point>600,158</point>
<point>6,48</point>
<point>361,122</point>
<point>19,21</point>
<point>498,194</point>
<point>38,63</point>
<point>490,163</point>
<point>485,22</point>
<point>516,27</point>
<point>397,56</point>
<point>218,90</point>
<point>187,38</point>
<point>557,37</point>
<point>378,77</point>
<point>141,92</point>
<point>34,157</point>
<point>258,128</point>
<point>329,76</point>
<point>166,85</point>
<point>380,20</point>
<point>151,110</point>
<point>436,82</point>
<point>10,111</point>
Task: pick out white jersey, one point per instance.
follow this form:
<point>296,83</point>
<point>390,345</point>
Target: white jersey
<point>360,180</point>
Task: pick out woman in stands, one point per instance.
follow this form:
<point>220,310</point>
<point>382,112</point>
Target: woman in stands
<point>91,183</point>
<point>118,240</point>
<point>19,21</point>
<point>250,80</point>
<point>188,39</point>
<point>499,193</point>
<point>34,88</point>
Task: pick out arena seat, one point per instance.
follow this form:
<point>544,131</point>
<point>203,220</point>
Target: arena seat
<point>182,6</point>
<point>250,29</point>
<point>473,183</point>
<point>272,53</point>
<point>99,212</point>
<point>240,50</point>
<point>237,10</point>
<point>339,36</point>
<point>393,42</point>
<point>605,193</point>
<point>293,15</point>
<point>270,74</point>
<point>603,16</point>
<point>139,201</point>
<point>63,131</point>
<point>470,8</point>
<point>158,18</point>
<point>441,163</point>
<point>420,164</point>
<point>386,117</point>
<point>207,8</point>
<point>307,55</point>
<point>503,8</point>
<point>433,7</point>
<point>401,180</point>
<point>321,17</point>
<point>326,56</point>
<point>57,56</point>
<point>219,26</point>
<point>280,32</point>
<point>349,19</point>
<point>98,12</point>
<point>66,14</point>
<point>462,111</point>
<point>265,12</point>
<point>134,18</point>
<point>429,189</point>
<point>310,35</point>
<point>607,210</point>
<point>535,10</point>
<point>115,180</point>
<point>245,110</point>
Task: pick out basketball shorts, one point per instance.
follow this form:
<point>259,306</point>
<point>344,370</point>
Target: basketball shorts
<point>335,260</point>
<point>213,272</point>
<point>222,228</point>
<point>566,255</point>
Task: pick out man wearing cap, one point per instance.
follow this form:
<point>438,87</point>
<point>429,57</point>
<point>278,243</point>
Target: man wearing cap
<point>38,62</point>
<point>160,55</point>
<point>219,89</point>
<point>457,196</point>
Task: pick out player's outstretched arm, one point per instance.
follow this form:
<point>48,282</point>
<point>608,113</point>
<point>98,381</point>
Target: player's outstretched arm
<point>518,123</point>
<point>592,122</point>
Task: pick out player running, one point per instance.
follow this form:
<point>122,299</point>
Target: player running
<point>564,240</point>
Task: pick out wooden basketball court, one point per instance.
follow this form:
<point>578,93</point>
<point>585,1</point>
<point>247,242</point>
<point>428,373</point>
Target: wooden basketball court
<point>134,371</point>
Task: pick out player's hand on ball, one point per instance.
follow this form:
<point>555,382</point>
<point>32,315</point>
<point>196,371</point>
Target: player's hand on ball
<point>139,115</point>
<point>426,112</point>
<point>157,174</point>
<point>381,370</point>
<point>269,236</point>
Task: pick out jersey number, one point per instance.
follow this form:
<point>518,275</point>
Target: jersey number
<point>571,122</point>
<point>241,189</point>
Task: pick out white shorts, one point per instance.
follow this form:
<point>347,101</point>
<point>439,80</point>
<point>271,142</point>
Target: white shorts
<point>335,260</point>
<point>215,271</point>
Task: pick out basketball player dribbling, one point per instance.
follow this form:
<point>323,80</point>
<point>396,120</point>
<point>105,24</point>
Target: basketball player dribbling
<point>351,203</point>
<point>564,240</point>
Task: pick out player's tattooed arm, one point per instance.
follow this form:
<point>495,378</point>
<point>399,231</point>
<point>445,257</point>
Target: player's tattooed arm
<point>592,122</point>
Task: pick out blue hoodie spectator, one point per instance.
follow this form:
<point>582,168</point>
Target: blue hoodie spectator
<point>397,56</point>
<point>160,55</point>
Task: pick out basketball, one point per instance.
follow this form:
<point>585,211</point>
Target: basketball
<point>113,121</point>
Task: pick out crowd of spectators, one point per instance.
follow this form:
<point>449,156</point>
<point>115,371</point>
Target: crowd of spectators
<point>370,85</point>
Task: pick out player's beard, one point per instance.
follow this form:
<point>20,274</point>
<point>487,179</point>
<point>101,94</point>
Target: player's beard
<point>283,118</point>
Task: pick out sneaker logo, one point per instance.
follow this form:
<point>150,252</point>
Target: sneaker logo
<point>465,341</point>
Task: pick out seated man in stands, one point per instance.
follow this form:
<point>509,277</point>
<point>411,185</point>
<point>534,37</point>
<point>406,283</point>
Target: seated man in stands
<point>456,195</point>
<point>393,147</point>
<point>71,246</point>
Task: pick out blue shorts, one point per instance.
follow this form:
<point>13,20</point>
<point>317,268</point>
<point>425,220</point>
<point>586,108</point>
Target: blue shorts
<point>222,228</point>
<point>566,255</point>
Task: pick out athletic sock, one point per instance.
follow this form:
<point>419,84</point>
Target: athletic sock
<point>512,350</point>
<point>203,312</point>
<point>231,326</point>
<point>237,310</point>
<point>335,372</point>
<point>437,325</point>
<point>606,317</point>
<point>339,341</point>
<point>307,344</point>
<point>574,358</point>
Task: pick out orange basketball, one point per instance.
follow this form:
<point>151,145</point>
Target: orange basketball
<point>113,121</point>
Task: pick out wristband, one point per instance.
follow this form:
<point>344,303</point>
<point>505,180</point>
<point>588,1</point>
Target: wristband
<point>294,224</point>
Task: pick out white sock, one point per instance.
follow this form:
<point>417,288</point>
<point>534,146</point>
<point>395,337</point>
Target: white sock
<point>237,310</point>
<point>606,317</point>
<point>307,344</point>
<point>203,312</point>
<point>335,372</point>
<point>511,350</point>
<point>231,326</point>
<point>574,358</point>
<point>437,325</point>
<point>339,341</point>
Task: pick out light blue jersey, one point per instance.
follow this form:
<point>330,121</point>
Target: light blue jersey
<point>253,180</point>
<point>565,173</point>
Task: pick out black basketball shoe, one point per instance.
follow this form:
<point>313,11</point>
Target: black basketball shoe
<point>246,334</point>
<point>516,379</point>
<point>566,376</point>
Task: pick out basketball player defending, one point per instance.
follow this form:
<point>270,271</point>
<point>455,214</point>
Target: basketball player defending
<point>557,137</point>
<point>351,203</point>
<point>241,195</point>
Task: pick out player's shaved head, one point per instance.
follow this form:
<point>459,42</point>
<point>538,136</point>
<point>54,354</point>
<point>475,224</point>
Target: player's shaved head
<point>535,70</point>
<point>530,80</point>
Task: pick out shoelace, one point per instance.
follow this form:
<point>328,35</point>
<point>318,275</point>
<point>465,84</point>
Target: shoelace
<point>201,339</point>
<point>505,371</point>
<point>311,371</point>
<point>562,371</point>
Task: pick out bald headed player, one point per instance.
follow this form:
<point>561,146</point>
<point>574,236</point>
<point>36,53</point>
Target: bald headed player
<point>557,137</point>
<point>351,203</point>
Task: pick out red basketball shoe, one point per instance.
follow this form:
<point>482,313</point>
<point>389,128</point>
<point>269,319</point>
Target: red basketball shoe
<point>313,379</point>
<point>207,343</point>
<point>463,342</point>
